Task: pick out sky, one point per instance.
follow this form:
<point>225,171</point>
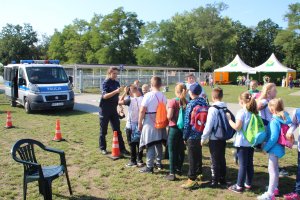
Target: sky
<point>46,16</point>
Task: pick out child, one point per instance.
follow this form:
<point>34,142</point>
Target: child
<point>253,89</point>
<point>216,147</point>
<point>268,93</point>
<point>244,150</point>
<point>175,139</point>
<point>272,147</point>
<point>151,137</point>
<point>192,138</point>
<point>295,122</point>
<point>145,89</point>
<point>133,102</point>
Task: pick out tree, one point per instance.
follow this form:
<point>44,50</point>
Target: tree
<point>212,31</point>
<point>289,39</point>
<point>244,42</point>
<point>263,41</point>
<point>121,34</point>
<point>17,43</point>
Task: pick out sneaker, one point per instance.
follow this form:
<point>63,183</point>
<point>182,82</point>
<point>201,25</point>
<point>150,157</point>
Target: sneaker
<point>140,163</point>
<point>291,196</point>
<point>158,166</point>
<point>131,164</point>
<point>236,189</point>
<point>190,184</point>
<point>247,187</point>
<point>104,152</point>
<point>147,170</point>
<point>276,191</point>
<point>213,184</point>
<point>200,177</point>
<point>283,172</point>
<point>170,177</point>
<point>266,196</point>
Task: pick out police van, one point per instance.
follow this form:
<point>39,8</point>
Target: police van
<point>38,85</point>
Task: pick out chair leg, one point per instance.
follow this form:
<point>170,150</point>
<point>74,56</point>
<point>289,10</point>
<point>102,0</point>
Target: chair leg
<point>48,190</point>
<point>24,189</point>
<point>41,187</point>
<point>68,181</point>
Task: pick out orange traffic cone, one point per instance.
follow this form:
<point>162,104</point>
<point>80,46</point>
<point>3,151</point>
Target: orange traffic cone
<point>115,152</point>
<point>58,136</point>
<point>8,121</point>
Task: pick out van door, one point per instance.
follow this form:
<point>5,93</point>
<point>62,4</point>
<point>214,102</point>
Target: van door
<point>14,86</point>
<point>21,86</point>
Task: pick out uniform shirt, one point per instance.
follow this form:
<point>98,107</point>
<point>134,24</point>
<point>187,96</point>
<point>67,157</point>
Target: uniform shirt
<point>240,141</point>
<point>188,133</point>
<point>109,86</point>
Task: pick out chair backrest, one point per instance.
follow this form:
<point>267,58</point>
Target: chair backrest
<point>25,150</point>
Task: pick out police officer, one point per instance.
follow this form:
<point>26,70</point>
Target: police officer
<point>108,109</point>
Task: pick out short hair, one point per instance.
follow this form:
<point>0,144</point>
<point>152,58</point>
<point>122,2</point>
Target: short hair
<point>156,81</point>
<point>254,82</point>
<point>217,93</point>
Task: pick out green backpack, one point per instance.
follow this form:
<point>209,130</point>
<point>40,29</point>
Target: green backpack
<point>255,132</point>
<point>181,114</point>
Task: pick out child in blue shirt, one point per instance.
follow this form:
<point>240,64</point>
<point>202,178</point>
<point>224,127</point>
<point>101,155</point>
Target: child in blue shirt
<point>192,138</point>
<point>272,147</point>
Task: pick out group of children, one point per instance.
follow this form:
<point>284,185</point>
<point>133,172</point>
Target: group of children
<point>142,134</point>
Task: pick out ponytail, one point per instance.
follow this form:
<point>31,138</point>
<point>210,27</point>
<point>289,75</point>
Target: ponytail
<point>250,102</point>
<point>180,90</point>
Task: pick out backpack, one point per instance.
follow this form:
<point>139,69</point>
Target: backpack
<point>255,132</point>
<point>282,137</point>
<point>180,120</point>
<point>161,120</point>
<point>198,118</point>
<point>225,132</point>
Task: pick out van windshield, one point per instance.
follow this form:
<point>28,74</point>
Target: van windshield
<point>46,75</point>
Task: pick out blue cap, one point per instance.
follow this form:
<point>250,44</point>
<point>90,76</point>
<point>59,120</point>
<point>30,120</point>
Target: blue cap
<point>196,89</point>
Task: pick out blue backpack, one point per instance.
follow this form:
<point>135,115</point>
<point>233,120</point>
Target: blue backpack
<point>226,131</point>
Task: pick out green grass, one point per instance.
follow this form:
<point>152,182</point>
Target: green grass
<point>94,176</point>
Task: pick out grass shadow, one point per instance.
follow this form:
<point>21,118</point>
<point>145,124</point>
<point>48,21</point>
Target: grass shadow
<point>81,197</point>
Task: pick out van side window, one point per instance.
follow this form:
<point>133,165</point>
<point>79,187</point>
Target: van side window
<point>7,74</point>
<point>21,73</point>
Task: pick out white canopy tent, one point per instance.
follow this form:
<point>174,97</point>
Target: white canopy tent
<point>236,65</point>
<point>273,65</point>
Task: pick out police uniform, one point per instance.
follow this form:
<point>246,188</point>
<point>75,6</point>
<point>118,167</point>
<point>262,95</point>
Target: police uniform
<point>108,113</point>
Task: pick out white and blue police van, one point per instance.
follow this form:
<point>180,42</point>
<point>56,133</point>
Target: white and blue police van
<point>38,85</point>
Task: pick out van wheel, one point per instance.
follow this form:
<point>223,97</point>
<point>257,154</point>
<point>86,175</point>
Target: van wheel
<point>27,106</point>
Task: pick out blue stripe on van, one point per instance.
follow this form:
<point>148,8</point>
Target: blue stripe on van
<point>23,87</point>
<point>53,88</point>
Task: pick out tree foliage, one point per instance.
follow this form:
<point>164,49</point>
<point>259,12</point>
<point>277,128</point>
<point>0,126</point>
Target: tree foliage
<point>289,39</point>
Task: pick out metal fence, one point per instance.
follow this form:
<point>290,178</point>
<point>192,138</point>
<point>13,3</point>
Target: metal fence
<point>83,80</point>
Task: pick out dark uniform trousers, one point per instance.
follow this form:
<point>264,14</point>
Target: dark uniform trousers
<point>109,114</point>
